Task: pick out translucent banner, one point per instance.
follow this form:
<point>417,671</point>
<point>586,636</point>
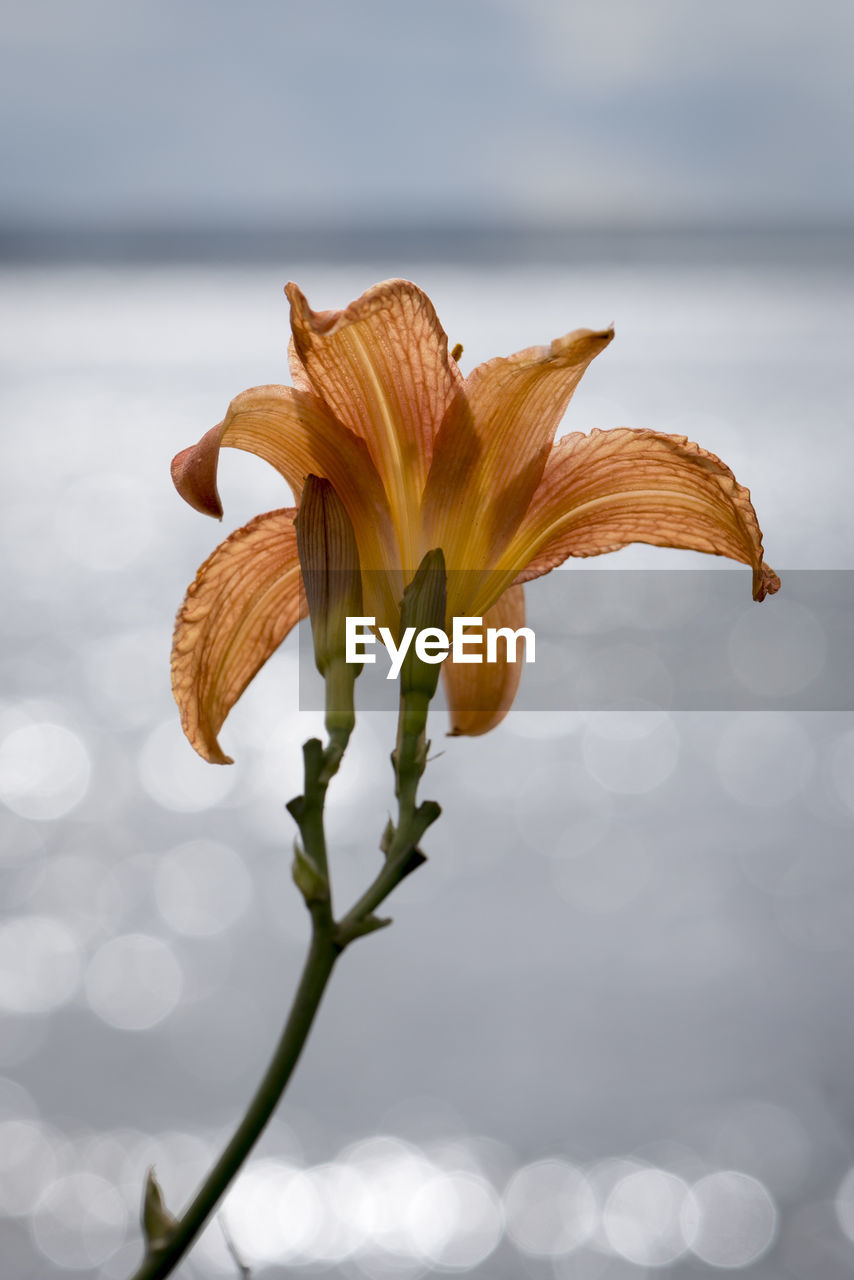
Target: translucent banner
<point>607,640</point>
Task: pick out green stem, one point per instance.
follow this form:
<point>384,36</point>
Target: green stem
<point>410,754</point>
<point>402,853</point>
<point>311,874</point>
<point>360,919</point>
<point>323,952</point>
<point>328,940</point>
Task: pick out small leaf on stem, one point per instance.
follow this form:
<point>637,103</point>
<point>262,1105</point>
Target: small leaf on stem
<point>157,1222</point>
<point>308,878</point>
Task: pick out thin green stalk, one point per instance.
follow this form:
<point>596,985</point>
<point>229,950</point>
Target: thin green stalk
<point>167,1238</point>
<point>403,856</point>
<point>323,952</point>
<point>328,940</point>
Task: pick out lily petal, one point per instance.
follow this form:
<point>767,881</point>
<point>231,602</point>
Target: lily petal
<point>480,694</point>
<point>601,491</point>
<point>244,601</point>
<point>382,368</point>
<point>494,444</point>
<point>294,432</point>
<point>299,377</point>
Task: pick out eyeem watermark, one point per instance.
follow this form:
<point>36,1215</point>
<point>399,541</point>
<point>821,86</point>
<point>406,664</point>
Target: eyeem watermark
<point>433,645</point>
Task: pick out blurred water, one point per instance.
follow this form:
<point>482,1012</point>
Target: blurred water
<point>610,1030</point>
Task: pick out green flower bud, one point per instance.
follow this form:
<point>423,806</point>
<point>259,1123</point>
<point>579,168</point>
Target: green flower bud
<point>329,559</point>
<point>423,605</point>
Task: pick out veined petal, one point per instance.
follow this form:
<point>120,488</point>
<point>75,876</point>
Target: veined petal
<point>299,377</point>
<point>383,369</point>
<point>480,694</point>
<point>601,491</point>
<point>494,443</point>
<point>244,601</point>
<point>295,432</point>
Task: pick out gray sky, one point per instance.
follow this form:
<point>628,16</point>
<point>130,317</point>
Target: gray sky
<point>180,111</point>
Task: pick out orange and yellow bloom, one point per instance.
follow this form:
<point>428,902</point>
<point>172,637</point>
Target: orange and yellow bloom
<point>423,458</point>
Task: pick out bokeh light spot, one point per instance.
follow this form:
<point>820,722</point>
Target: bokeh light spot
<point>346,1208</point>
<point>133,982</point>
<point>642,1218</point>
<point>44,771</point>
<point>129,676</point>
<point>79,1222</point>
<point>550,1207</point>
<point>202,888</point>
<point>394,1173</point>
<point>39,964</point>
<point>729,1220</point>
<point>274,1212</point>
<point>455,1221</point>
<point>30,1158</point>
<point>80,889</point>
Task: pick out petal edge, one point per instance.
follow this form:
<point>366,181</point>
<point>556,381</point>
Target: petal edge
<point>602,491</point>
<point>245,599</point>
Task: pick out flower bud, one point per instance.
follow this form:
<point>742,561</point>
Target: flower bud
<point>423,605</point>
<point>329,559</point>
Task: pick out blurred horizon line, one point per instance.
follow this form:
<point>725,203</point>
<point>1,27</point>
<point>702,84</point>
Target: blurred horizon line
<point>476,243</point>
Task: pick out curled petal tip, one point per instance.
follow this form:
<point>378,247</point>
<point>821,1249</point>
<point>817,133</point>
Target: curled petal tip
<point>212,753</point>
<point>304,320</point>
<point>581,344</point>
<point>765,582</point>
<point>194,473</point>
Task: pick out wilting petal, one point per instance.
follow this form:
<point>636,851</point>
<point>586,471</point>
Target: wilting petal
<point>244,601</point>
<point>382,368</point>
<point>480,694</point>
<point>295,432</point>
<point>493,446</point>
<point>601,491</point>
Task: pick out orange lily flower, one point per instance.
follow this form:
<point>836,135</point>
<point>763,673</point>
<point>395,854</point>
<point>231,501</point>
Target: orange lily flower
<point>423,458</point>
